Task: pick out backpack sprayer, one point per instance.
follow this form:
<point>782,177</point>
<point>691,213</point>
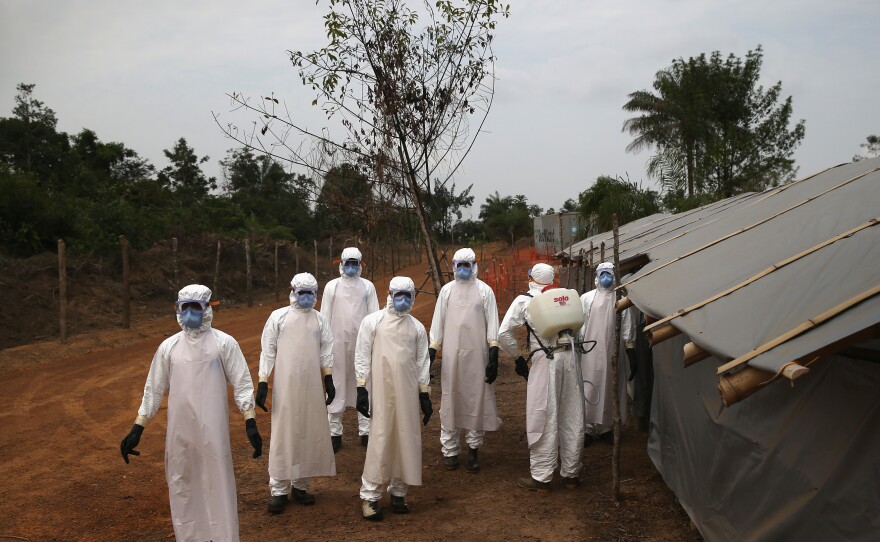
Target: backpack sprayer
<point>557,314</point>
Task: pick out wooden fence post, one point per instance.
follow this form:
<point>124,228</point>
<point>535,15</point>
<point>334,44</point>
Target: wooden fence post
<point>247,259</point>
<point>216,272</point>
<point>615,354</point>
<point>276,271</point>
<point>174,261</point>
<point>62,294</point>
<point>316,259</point>
<point>126,284</point>
<point>602,252</point>
<point>296,251</point>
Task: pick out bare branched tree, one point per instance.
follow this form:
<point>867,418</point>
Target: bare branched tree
<point>406,86</point>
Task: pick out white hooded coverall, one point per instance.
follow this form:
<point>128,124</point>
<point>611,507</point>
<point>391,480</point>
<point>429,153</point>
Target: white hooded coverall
<point>345,302</point>
<point>392,349</point>
<point>195,366</point>
<point>554,398</point>
<point>465,323</point>
<point>297,344</point>
<point>599,315</point>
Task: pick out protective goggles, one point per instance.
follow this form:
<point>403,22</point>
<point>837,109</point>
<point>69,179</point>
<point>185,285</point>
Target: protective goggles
<point>402,293</point>
<point>466,265</point>
<point>301,291</point>
<point>191,304</point>
<point>351,261</point>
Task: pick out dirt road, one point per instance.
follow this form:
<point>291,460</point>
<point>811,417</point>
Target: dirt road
<point>67,408</point>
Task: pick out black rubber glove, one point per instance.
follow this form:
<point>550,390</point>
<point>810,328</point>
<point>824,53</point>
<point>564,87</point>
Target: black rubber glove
<point>492,366</point>
<point>363,401</point>
<point>432,353</point>
<point>130,441</point>
<point>250,425</point>
<point>262,394</point>
<point>631,356</point>
<point>329,388</point>
<point>427,409</point>
<point>522,367</point>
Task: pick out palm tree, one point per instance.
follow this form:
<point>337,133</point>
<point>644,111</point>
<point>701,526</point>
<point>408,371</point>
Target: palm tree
<point>609,196</point>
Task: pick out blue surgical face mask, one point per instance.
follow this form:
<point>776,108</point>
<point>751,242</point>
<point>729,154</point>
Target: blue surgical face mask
<point>463,273</point>
<point>606,280</point>
<point>402,303</point>
<point>191,319</point>
<point>306,300</point>
<point>351,270</point>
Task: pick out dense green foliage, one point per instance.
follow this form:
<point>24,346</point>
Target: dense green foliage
<point>609,196</point>
<point>716,132</point>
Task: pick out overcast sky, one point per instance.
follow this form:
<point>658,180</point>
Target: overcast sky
<point>148,73</point>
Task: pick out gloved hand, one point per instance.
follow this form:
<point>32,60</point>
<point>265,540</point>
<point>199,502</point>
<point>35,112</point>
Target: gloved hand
<point>363,401</point>
<point>329,388</point>
<point>432,353</point>
<point>262,394</point>
<point>492,366</point>
<point>522,367</point>
<point>250,425</point>
<point>631,356</point>
<point>425,403</point>
<point>130,441</point>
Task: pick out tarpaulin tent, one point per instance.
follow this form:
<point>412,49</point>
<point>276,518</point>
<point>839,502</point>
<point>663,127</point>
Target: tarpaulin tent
<point>777,291</point>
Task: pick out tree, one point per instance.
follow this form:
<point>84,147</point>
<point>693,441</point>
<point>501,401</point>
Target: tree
<point>871,148</point>
<point>444,208</point>
<point>716,131</point>
<point>609,196</point>
<point>184,175</point>
<point>404,84</point>
<point>508,217</point>
<point>346,200</point>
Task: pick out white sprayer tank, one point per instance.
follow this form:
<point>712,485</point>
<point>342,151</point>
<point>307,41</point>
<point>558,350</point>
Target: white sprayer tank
<point>556,311</point>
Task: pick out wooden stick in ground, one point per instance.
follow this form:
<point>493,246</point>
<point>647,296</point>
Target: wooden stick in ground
<point>62,291</point>
<point>316,259</point>
<point>276,271</point>
<point>174,261</point>
<point>296,252</point>
<point>615,353</point>
<point>216,273</point>
<point>126,285</point>
<point>247,260</point>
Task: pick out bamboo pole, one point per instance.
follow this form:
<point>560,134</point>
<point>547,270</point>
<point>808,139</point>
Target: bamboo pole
<point>623,304</point>
<point>602,252</point>
<point>733,388</point>
<point>661,334</point>
<point>62,291</point>
<point>615,354</point>
<point>126,284</point>
<point>316,259</point>
<point>693,354</point>
<point>588,280</point>
<point>216,272</point>
<point>296,252</point>
<point>247,259</point>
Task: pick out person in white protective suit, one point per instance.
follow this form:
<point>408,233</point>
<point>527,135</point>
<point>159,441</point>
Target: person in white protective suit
<point>392,349</point>
<point>298,344</point>
<point>554,396</point>
<point>345,302</point>
<point>195,366</point>
<point>599,315</point>
<point>465,323</point>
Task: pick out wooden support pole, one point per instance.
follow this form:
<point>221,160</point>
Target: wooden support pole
<point>693,354</point>
<point>615,354</point>
<point>247,259</point>
<point>62,291</point>
<point>216,272</point>
<point>296,252</point>
<point>174,261</point>
<point>126,284</point>
<point>737,386</point>
<point>316,259</point>
<point>602,252</point>
<point>276,271</point>
<point>661,334</point>
<point>623,304</point>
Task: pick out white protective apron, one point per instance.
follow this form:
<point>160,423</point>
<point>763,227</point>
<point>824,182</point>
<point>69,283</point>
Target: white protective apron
<point>349,309</point>
<point>467,402</point>
<point>198,459</point>
<point>395,447</point>
<point>596,364</point>
<point>300,445</point>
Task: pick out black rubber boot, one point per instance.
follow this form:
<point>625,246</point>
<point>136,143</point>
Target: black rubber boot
<point>398,505</point>
<point>473,464</point>
<point>277,503</point>
<point>371,510</point>
<point>450,462</point>
<point>533,485</point>
<point>302,497</point>
<point>365,439</point>
<point>336,441</point>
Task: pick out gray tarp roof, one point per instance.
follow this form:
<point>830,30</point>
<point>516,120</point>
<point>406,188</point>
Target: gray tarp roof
<point>695,255</point>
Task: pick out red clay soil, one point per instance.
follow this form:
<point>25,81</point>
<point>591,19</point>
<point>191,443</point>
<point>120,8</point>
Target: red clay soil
<point>69,406</point>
